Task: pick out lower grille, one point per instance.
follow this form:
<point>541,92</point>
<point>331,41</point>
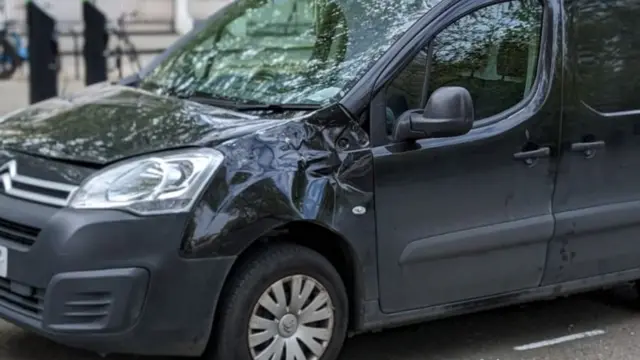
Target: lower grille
<point>26,300</point>
<point>17,233</point>
<point>87,308</point>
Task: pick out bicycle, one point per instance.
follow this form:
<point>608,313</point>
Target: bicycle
<point>13,52</point>
<point>124,44</point>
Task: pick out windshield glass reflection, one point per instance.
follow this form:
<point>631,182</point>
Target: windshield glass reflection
<point>286,51</point>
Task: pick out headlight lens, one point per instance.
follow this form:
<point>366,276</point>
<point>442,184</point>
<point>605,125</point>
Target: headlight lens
<point>150,185</point>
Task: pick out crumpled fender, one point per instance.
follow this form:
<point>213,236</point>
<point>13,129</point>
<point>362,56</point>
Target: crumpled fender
<point>317,169</point>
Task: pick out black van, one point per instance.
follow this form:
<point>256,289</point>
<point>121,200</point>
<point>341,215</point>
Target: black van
<point>295,170</point>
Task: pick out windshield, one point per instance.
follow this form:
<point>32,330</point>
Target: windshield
<point>285,51</point>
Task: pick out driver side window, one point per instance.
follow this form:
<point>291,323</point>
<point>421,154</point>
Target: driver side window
<point>492,52</point>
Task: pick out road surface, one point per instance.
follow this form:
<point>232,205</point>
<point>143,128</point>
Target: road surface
<point>609,323</point>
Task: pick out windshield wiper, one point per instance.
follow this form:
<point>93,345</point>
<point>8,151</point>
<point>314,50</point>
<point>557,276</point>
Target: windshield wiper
<point>208,99</point>
<point>276,107</point>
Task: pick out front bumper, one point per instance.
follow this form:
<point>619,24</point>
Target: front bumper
<point>106,281</point>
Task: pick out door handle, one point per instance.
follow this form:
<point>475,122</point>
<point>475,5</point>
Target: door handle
<point>530,157</point>
<point>584,146</point>
<point>533,154</point>
<point>588,148</point>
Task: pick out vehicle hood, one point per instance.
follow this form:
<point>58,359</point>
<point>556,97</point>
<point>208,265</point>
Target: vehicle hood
<point>105,123</point>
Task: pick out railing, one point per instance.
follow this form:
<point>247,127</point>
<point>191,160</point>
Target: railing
<point>132,22</point>
<point>158,14</point>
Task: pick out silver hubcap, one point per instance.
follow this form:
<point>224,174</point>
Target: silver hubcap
<point>293,320</point>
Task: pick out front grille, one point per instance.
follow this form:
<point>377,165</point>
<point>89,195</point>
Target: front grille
<point>23,235</point>
<point>23,299</point>
<point>52,193</point>
<point>33,189</point>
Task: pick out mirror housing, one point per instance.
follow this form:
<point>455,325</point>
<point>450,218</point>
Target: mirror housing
<point>449,112</point>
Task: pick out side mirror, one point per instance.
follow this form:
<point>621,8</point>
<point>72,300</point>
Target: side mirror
<point>449,112</point>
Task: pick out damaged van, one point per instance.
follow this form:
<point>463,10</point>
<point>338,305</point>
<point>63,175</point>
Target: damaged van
<point>295,171</point>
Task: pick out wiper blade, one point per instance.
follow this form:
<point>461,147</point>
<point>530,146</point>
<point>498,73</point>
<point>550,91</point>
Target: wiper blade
<point>276,107</point>
<point>205,98</point>
<point>240,106</point>
<point>211,101</point>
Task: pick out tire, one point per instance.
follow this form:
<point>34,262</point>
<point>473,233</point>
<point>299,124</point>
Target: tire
<point>289,265</point>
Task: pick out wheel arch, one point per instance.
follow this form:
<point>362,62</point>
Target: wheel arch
<point>318,237</point>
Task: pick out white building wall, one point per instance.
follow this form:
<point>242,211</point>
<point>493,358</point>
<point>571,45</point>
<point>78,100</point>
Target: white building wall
<point>69,11</point>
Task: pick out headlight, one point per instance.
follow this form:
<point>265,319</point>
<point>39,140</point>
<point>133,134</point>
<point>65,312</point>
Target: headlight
<point>158,184</point>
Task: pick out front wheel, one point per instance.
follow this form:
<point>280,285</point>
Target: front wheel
<point>286,303</point>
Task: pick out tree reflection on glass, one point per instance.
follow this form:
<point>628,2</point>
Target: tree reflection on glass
<point>286,51</point>
<point>492,52</point>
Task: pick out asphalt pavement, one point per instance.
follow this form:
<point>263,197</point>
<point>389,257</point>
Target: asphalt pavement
<point>610,320</point>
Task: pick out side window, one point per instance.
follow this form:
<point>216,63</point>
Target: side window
<point>492,52</point>
<point>607,59</point>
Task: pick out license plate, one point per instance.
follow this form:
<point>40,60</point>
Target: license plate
<point>4,261</point>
